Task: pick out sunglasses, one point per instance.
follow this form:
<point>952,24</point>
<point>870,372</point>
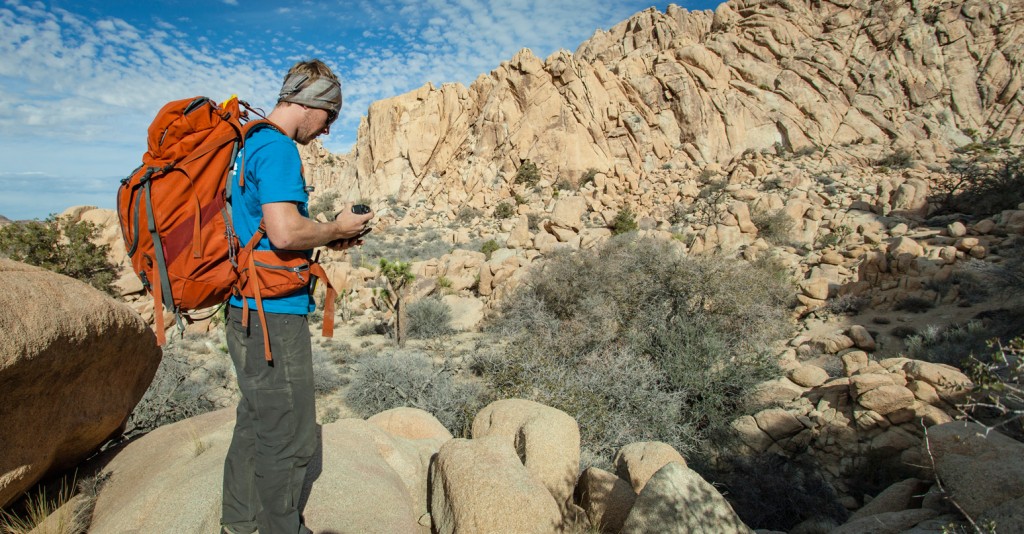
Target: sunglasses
<point>331,116</point>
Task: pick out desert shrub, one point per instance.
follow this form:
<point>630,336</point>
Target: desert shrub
<point>706,175</point>
<point>677,213</point>
<point>588,177</point>
<point>773,226</point>
<point>956,343</point>
<point>903,332</point>
<point>368,329</point>
<point>986,180</point>
<point>63,246</point>
<point>414,246</point>
<point>1006,278</point>
<point>466,214</point>
<point>429,318</point>
<point>324,204</point>
<point>528,174</point>
<point>399,378</point>
<point>175,393</point>
<point>610,409</point>
<point>489,247</point>
<point>533,221</point>
<point>623,222</point>
<point>971,288</point>
<point>693,331</point>
<point>564,183</point>
<point>326,376</point>
<point>773,492</point>
<point>504,210</point>
<point>833,238</point>
<point>846,305</point>
<point>899,159</point>
<point>705,207</point>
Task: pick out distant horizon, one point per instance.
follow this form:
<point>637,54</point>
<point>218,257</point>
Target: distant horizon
<point>80,81</point>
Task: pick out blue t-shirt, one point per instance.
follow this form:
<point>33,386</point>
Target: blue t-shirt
<point>273,173</point>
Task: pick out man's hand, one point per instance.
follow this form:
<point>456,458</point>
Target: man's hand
<point>352,223</point>
<point>289,230</point>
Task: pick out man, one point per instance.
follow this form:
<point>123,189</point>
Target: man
<point>275,430</point>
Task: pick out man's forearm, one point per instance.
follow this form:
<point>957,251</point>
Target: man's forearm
<point>289,230</point>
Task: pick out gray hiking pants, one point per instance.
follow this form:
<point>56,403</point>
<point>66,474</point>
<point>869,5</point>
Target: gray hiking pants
<point>275,429</point>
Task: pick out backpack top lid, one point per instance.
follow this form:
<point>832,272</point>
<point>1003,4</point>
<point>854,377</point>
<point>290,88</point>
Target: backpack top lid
<point>180,127</point>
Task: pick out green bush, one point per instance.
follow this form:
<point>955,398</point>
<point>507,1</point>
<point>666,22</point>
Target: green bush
<point>399,378</point>
<point>63,246</point>
<point>429,318</point>
<point>504,210</point>
<point>528,174</point>
<point>693,332</point>
<point>773,492</point>
<point>623,222</point>
<point>489,247</point>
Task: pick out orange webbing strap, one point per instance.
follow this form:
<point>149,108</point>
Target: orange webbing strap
<point>255,280</point>
<point>158,313</point>
<point>316,270</point>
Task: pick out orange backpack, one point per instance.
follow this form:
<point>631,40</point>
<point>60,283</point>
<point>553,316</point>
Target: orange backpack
<point>176,223</point>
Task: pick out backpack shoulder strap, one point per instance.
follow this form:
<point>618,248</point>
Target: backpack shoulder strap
<point>248,129</point>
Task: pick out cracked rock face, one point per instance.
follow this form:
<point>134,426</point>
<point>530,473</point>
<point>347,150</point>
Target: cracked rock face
<point>854,80</point>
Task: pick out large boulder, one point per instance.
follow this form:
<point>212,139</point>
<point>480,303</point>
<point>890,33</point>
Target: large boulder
<point>361,479</point>
<point>546,439</point>
<point>981,470</point>
<point>73,365</point>
<point>638,462</point>
<point>480,485</point>
<point>605,498</point>
<point>678,500</point>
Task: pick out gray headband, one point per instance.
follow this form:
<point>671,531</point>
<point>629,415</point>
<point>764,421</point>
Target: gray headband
<point>321,93</point>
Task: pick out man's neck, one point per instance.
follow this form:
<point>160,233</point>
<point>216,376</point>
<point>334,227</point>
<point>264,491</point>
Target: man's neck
<point>287,118</point>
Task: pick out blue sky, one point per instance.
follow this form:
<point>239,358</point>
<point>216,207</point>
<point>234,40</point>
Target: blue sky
<point>81,79</point>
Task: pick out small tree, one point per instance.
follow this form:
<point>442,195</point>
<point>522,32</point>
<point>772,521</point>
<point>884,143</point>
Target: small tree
<point>504,210</point>
<point>397,275</point>
<point>623,222</point>
<point>986,179</point>
<point>489,247</point>
<point>63,246</point>
<point>528,174</point>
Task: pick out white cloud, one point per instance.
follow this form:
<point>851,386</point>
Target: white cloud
<point>77,93</point>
